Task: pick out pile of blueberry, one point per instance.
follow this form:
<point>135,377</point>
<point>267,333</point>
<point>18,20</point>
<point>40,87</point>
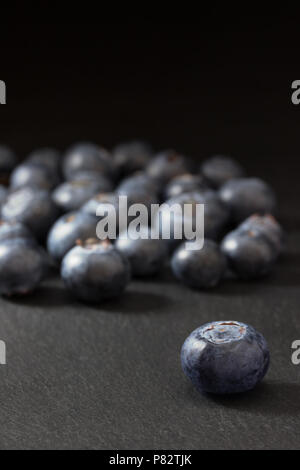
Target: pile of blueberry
<point>48,216</point>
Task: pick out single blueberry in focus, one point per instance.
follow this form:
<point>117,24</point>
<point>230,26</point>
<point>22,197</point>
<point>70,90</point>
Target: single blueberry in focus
<point>23,265</point>
<point>131,156</point>
<point>247,196</point>
<point>12,229</point>
<point>249,255</point>
<point>95,271</point>
<point>166,165</point>
<point>71,195</point>
<point>87,156</point>
<point>201,268</point>
<point>185,184</point>
<point>146,256</point>
<point>32,207</point>
<point>67,230</point>
<point>225,357</point>
<point>219,169</point>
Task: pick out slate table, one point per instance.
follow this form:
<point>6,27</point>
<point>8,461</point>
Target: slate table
<point>109,376</point>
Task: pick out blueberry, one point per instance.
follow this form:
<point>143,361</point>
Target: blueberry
<point>23,265</point>
<point>225,357</point>
<point>267,227</point>
<point>8,161</point>
<point>146,256</point>
<point>199,268</point>
<point>107,203</point>
<point>91,206</point>
<point>138,195</point>
<point>219,169</point>
<point>145,198</point>
<point>139,182</point>
<point>87,157</point>
<point>185,184</point>
<point>95,271</point>
<point>3,194</point>
<point>33,175</point>
<point>67,230</point>
<point>92,176</point>
<point>33,207</point>
<point>71,195</point>
<point>216,215</point>
<point>249,255</point>
<point>166,165</point>
<point>247,196</point>
<point>131,156</point>
<point>48,157</point>
<point>13,229</point>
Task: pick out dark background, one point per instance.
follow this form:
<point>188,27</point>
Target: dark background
<point>109,377</point>
<point>221,84</point>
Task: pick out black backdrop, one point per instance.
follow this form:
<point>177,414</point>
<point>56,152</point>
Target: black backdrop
<point>221,84</point>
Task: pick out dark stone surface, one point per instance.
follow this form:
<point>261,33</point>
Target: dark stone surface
<point>110,377</point>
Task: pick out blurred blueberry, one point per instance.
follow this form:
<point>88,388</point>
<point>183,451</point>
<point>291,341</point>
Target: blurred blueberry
<point>95,271</point>
<point>48,157</point>
<point>91,176</point>
<point>108,205</point>
<point>12,229</point>
<point>33,175</point>
<point>131,156</point>
<point>23,265</point>
<point>247,196</point>
<point>216,215</point>
<point>32,207</point>
<point>8,161</point>
<point>225,357</point>
<point>219,169</point>
<point>202,268</point>
<point>249,255</point>
<point>139,182</point>
<point>90,206</point>
<point>67,230</point>
<point>185,184</point>
<point>107,201</point>
<point>89,157</point>
<point>3,194</point>
<point>146,256</point>
<point>71,195</point>
<point>166,165</point>
<point>267,227</point>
